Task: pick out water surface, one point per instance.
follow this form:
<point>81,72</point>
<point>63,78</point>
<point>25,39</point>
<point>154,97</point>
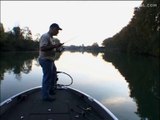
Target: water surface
<point>126,85</point>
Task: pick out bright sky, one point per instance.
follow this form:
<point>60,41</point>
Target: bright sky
<point>83,22</point>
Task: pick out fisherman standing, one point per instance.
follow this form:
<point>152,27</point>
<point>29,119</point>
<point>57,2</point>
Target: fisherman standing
<point>46,60</point>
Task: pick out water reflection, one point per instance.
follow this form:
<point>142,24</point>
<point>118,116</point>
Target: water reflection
<point>18,63</point>
<point>142,74</point>
<point>83,50</point>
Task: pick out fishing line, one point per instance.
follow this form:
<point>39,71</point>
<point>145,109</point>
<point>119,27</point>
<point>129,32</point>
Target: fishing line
<point>71,39</point>
<point>71,79</point>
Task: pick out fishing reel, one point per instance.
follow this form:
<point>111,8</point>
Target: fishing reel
<point>60,49</point>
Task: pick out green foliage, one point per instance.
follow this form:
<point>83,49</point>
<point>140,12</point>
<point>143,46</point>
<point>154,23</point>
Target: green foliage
<point>17,40</point>
<point>141,35</point>
<point>1,31</point>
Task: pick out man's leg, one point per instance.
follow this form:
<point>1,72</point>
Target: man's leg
<point>54,79</point>
<point>47,77</point>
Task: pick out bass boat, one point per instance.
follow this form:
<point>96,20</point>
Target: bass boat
<point>70,104</point>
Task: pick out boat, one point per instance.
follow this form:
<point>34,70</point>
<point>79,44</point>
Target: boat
<point>70,104</point>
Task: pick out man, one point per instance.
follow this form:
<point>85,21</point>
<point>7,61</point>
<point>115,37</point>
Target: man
<point>46,53</point>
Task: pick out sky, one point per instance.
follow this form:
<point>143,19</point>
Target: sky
<point>83,22</point>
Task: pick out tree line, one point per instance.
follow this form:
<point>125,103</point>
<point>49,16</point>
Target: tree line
<point>141,35</point>
<point>17,39</point>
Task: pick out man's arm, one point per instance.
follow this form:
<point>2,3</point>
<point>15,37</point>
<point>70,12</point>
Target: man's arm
<point>50,47</point>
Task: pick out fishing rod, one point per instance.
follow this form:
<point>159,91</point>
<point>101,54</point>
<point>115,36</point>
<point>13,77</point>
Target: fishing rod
<point>68,41</point>
<point>65,42</point>
<point>71,39</point>
<point>61,48</point>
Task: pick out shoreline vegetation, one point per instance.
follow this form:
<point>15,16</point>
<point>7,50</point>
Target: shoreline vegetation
<point>140,36</point>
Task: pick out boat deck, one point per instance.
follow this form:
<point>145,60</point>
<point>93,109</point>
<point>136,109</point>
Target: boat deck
<point>67,106</point>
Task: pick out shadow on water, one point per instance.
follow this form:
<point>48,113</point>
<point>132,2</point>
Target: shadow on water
<point>142,74</point>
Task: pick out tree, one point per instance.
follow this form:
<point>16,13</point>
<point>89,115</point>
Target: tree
<point>1,32</point>
<point>37,36</point>
<point>17,32</point>
<point>17,39</point>
<point>95,45</point>
<point>141,35</point>
<point>27,34</point>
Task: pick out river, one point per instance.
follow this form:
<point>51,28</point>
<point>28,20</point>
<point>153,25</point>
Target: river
<point>127,85</point>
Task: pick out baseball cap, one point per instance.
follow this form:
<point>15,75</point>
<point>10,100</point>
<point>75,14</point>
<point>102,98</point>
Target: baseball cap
<point>55,25</point>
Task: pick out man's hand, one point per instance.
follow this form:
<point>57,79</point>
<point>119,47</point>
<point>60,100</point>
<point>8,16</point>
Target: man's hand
<point>59,45</point>
<point>47,48</point>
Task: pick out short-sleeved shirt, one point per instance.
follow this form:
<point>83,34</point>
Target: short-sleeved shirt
<point>46,40</point>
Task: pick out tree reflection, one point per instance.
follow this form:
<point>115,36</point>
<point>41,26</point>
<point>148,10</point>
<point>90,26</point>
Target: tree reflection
<point>27,66</point>
<point>91,51</point>
<point>142,74</point>
<point>18,63</point>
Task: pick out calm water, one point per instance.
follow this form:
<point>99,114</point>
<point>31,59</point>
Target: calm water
<point>126,85</point>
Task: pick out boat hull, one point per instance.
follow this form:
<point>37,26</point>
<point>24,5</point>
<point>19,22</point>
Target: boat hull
<point>70,104</point>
